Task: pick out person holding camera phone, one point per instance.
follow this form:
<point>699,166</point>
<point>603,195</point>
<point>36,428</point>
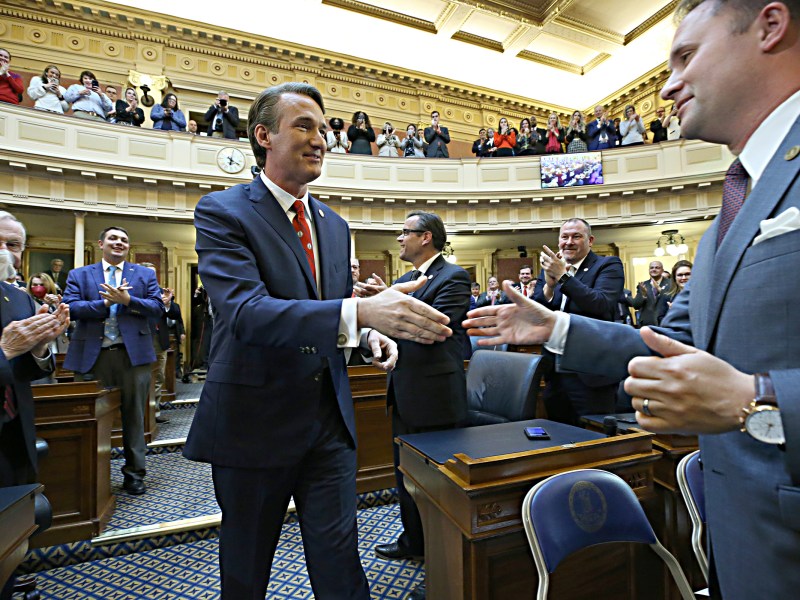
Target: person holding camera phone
<point>336,138</point>
<point>222,118</point>
<point>167,116</point>
<point>360,134</point>
<point>47,92</point>
<point>388,142</point>
<point>88,101</point>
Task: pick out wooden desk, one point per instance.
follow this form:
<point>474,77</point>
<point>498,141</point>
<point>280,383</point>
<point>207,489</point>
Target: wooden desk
<point>17,525</point>
<point>75,420</point>
<point>475,546</point>
<point>374,427</point>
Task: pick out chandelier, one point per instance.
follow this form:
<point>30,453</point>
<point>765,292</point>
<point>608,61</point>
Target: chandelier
<point>670,242</point>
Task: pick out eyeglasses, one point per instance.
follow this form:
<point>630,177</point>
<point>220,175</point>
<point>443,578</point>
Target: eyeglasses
<point>13,245</point>
<point>408,232</point>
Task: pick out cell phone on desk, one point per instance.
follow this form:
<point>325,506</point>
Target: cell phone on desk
<point>536,433</point>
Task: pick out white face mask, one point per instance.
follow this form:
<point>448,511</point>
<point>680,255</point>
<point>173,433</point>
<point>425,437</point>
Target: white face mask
<point>7,269</point>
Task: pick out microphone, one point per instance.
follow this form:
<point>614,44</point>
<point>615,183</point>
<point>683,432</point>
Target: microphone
<point>610,425</point>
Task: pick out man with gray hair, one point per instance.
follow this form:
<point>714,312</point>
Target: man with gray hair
<point>222,118</point>
<point>275,417</point>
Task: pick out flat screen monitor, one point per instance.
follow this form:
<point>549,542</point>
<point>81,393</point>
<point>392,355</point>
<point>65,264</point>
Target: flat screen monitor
<point>571,170</point>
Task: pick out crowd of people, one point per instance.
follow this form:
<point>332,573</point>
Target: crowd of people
<point>88,101</point>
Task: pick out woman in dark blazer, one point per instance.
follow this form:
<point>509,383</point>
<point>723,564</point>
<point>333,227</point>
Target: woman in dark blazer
<point>128,111</point>
<point>361,134</point>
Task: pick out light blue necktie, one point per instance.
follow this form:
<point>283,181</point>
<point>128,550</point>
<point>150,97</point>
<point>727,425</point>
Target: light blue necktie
<point>111,328</point>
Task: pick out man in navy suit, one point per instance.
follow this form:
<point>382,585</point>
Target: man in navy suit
<point>722,365</point>
<point>601,132</point>
<point>275,417</point>
<point>427,389</point>
<point>648,293</point>
<point>437,138</point>
<point>578,281</point>
<point>112,301</point>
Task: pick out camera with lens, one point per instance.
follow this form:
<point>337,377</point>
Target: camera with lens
<point>223,102</point>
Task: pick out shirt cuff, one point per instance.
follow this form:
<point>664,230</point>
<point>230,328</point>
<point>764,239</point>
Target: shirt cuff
<point>46,362</point>
<point>558,339</point>
<point>348,324</point>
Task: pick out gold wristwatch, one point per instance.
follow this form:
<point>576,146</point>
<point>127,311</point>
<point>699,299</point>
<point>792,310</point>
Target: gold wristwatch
<point>762,417</point>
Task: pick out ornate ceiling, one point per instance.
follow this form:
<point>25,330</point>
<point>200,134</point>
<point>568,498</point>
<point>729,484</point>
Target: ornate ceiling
<point>568,53</point>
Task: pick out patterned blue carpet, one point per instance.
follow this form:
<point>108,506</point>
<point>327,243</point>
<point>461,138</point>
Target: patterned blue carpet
<point>189,571</point>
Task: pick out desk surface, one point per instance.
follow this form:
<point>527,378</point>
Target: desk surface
<point>12,495</point>
<point>486,441</point>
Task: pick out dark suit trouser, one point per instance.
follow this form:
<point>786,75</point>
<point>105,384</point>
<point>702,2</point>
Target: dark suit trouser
<point>113,369</point>
<point>567,398</point>
<point>412,540</point>
<point>254,502</point>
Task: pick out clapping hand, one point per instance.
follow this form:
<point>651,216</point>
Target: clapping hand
<point>33,334</point>
<point>115,295</point>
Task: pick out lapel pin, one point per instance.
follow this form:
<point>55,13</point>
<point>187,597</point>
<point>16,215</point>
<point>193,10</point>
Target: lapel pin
<point>321,214</point>
<point>5,298</point>
<point>791,153</point>
<point>585,268</point>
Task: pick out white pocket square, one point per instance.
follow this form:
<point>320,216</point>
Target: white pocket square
<point>786,222</point>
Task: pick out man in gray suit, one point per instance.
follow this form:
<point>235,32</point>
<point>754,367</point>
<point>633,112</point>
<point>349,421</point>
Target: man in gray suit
<point>721,366</point>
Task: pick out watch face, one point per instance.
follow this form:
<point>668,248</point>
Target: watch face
<point>230,160</point>
<point>765,425</point>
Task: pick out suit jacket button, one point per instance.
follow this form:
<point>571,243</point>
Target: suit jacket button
<point>313,349</point>
<point>317,377</point>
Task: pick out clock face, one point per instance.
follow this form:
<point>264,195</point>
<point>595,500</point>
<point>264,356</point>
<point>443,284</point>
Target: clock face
<point>230,160</point>
<point>766,426</point>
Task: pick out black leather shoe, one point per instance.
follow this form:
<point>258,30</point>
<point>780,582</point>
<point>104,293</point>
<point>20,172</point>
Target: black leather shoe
<point>394,552</point>
<point>160,419</point>
<point>135,487</point>
<point>418,593</point>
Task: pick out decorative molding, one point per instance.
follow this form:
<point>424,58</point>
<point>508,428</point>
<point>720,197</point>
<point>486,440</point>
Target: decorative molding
<point>551,62</point>
<point>382,13</point>
<point>651,21</point>
<point>476,40</point>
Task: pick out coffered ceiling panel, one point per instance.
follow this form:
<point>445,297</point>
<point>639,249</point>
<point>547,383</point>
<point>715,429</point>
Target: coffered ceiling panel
<point>585,49</point>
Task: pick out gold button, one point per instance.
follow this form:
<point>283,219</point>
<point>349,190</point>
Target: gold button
<point>341,340</point>
<point>792,152</point>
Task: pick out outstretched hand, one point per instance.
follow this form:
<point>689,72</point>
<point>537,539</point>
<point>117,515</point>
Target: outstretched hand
<point>383,349</point>
<point>522,322</point>
<point>400,316</point>
<point>688,390</point>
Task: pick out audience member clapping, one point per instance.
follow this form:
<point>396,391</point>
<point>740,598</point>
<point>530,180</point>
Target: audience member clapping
<point>336,138</point>
<point>632,128</point>
<point>167,116</point>
<point>681,273</point>
<point>360,134</point>
<point>479,145</point>
<point>11,84</point>
<point>526,143</point>
<point>111,92</point>
<point>657,126</point>
<point>44,291</point>
<point>505,140</point>
<point>555,135</point>
<point>388,142</point>
<point>47,92</point>
<point>673,124</point>
<point>413,145</point>
<point>576,138</point>
<point>601,131</point>
<point>128,111</point>
<point>88,101</point>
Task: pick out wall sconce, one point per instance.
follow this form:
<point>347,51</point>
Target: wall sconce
<point>673,244</point>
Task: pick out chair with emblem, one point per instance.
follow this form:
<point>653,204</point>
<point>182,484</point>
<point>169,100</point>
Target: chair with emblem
<point>690,482</point>
<point>577,509</point>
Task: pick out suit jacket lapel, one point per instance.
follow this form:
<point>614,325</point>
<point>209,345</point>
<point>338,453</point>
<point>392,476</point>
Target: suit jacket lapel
<point>325,246</point>
<point>99,276</point>
<point>759,205</point>
<point>272,212</point>
<point>433,270</point>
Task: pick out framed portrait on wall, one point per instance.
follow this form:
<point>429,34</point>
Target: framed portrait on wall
<point>41,260</point>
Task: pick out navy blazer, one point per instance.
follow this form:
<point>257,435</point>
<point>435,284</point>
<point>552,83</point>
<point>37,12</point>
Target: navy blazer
<point>734,308</point>
<point>88,309</point>
<point>428,386</point>
<point>275,335</point>
<point>16,305</point>
<point>437,143</point>
<point>593,131</point>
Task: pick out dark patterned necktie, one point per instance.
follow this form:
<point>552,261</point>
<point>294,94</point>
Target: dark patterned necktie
<point>734,191</point>
<point>304,234</point>
<point>415,275</point>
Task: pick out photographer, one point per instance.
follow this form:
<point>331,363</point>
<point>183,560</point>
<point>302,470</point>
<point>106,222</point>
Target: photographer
<point>388,142</point>
<point>47,92</point>
<point>88,102</point>
<point>413,145</point>
<point>222,118</point>
<point>336,138</point>
<point>167,116</point>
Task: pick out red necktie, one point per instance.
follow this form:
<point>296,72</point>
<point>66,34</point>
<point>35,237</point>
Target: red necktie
<point>525,290</point>
<point>9,407</point>
<point>304,234</point>
<point>734,191</point>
